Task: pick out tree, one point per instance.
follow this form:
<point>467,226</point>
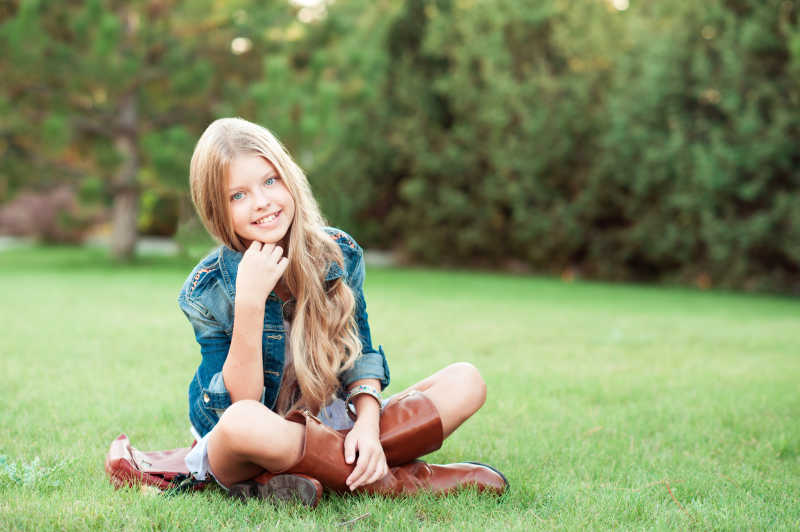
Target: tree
<point>646,141</point>
<point>118,91</point>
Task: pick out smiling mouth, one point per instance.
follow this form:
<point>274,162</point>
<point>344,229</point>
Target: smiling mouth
<point>264,220</point>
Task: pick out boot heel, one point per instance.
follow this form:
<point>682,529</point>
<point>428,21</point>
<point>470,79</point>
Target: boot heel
<point>281,488</point>
<point>287,487</point>
<point>242,490</point>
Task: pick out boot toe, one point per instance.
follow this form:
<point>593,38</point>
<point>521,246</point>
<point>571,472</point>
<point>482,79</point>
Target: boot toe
<point>487,478</point>
<point>506,484</point>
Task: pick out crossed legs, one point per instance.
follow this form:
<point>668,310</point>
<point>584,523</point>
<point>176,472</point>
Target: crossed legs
<point>250,438</point>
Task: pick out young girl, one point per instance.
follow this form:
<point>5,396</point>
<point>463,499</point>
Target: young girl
<point>286,398</point>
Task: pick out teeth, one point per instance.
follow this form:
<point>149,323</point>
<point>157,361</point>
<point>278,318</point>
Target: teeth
<point>267,219</point>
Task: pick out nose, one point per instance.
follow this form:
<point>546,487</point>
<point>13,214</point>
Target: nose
<point>261,199</point>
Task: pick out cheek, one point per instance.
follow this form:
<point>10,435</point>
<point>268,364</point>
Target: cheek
<point>288,203</point>
<point>290,207</point>
<point>239,215</point>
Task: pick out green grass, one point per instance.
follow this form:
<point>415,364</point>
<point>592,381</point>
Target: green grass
<point>601,397</point>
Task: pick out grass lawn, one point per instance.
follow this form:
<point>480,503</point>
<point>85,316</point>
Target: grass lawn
<point>609,406</point>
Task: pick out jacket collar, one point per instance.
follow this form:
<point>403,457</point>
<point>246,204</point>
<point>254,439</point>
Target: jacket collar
<point>229,264</point>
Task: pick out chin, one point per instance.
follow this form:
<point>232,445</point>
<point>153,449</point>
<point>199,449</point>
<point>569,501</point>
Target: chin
<point>269,236</point>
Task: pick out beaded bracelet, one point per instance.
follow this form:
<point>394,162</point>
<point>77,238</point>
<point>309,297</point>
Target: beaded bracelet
<point>361,389</point>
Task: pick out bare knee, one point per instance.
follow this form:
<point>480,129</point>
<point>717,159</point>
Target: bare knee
<point>237,421</point>
<point>240,413</point>
<point>249,437</point>
<point>248,429</point>
<point>472,383</point>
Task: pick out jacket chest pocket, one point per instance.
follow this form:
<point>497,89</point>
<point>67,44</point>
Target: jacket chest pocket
<point>274,344</point>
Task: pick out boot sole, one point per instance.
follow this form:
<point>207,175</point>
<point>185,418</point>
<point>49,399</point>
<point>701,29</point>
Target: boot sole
<point>487,466</point>
<point>281,488</point>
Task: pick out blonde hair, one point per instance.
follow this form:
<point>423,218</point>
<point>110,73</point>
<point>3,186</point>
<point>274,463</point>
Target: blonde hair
<point>323,341</point>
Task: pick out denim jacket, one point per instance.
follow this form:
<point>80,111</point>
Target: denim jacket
<point>207,299</point>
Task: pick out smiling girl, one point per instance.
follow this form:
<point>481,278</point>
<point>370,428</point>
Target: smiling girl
<point>287,397</point>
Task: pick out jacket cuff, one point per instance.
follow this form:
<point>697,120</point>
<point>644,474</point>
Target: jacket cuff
<point>370,365</point>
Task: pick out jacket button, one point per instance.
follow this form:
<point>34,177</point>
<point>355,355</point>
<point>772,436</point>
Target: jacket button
<point>206,398</point>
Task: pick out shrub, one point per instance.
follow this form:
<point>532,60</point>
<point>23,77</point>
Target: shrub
<point>658,143</point>
<point>51,215</point>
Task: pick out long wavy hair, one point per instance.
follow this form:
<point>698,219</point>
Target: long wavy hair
<point>323,339</point>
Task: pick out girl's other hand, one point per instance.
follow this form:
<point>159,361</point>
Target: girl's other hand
<point>371,465</point>
<point>261,267</point>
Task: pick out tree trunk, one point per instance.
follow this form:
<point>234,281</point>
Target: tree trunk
<point>126,191</point>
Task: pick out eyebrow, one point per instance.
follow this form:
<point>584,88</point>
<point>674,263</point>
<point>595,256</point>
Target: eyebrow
<point>265,176</point>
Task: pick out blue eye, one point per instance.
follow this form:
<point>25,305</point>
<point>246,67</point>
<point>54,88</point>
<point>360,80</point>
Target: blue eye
<point>237,196</point>
<point>269,181</point>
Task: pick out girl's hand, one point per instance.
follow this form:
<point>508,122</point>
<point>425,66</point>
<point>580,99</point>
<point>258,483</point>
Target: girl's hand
<point>371,465</point>
<point>261,267</point>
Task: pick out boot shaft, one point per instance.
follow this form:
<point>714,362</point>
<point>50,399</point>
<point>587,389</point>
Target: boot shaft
<point>410,427</point>
<point>323,453</point>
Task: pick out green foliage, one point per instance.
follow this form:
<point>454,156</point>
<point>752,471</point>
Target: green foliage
<point>656,143</point>
<point>158,212</point>
<point>113,92</point>
<point>701,124</point>
<point>653,143</point>
<point>169,150</point>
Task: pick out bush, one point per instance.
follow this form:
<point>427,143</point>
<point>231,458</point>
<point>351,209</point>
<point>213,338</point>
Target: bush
<point>52,216</point>
<point>658,143</point>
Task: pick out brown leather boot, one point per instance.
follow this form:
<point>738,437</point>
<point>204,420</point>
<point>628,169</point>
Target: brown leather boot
<point>439,479</point>
<point>323,458</point>
<point>410,427</point>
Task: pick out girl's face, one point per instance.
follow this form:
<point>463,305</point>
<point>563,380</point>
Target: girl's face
<point>260,204</point>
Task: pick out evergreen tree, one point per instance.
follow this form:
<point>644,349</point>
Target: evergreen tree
<point>117,92</point>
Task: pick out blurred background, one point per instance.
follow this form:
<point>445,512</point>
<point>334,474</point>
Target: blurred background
<point>609,139</point>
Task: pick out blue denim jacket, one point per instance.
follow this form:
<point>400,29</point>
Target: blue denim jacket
<point>207,299</point>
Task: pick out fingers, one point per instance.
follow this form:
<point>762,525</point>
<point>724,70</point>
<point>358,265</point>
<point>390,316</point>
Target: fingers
<point>362,467</point>
<point>261,268</point>
<point>273,251</point>
<point>349,450</point>
<point>276,252</point>
<point>370,468</point>
<point>282,264</point>
<point>375,471</point>
<point>380,471</point>
<point>267,249</point>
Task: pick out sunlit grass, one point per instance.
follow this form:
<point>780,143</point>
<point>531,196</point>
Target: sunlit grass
<point>601,397</point>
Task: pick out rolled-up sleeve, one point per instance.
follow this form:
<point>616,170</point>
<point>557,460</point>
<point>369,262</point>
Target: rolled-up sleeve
<point>371,364</point>
<point>214,345</point>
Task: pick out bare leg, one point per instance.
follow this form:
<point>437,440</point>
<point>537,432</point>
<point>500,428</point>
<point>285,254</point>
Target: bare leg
<point>458,391</point>
<point>250,438</point>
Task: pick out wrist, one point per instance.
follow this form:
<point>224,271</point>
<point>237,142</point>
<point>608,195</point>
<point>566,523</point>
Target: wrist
<point>249,302</point>
<point>363,401</point>
<point>369,423</point>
